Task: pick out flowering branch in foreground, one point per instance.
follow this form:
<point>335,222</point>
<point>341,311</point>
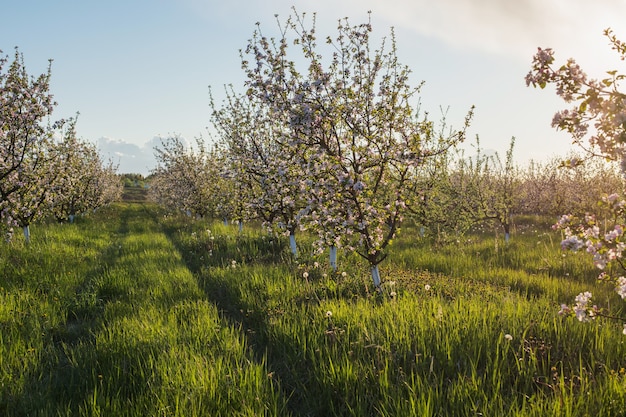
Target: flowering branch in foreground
<point>599,117</point>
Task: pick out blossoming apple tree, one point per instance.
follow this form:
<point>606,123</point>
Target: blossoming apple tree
<point>266,173</point>
<point>188,179</point>
<point>25,133</point>
<point>356,113</point>
<point>83,181</point>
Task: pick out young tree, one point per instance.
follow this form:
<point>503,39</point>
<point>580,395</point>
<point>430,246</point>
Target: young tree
<point>267,173</point>
<point>25,133</point>
<point>356,115</point>
<point>187,178</point>
<point>82,180</point>
<point>447,189</point>
<point>35,176</point>
<point>500,190</point>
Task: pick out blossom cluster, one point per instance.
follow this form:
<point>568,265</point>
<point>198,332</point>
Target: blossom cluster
<point>606,246</point>
<point>600,110</point>
<point>581,309</point>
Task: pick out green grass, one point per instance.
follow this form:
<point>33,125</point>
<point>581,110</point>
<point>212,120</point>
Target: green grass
<point>136,312</point>
<point>112,322</point>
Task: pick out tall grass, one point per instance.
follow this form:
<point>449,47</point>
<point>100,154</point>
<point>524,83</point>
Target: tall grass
<point>154,314</point>
<point>122,329</point>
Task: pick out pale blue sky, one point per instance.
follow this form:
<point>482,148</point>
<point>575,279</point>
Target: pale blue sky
<point>139,69</point>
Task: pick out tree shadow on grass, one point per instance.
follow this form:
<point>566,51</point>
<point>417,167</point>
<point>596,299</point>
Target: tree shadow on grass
<point>68,371</point>
<point>289,365</point>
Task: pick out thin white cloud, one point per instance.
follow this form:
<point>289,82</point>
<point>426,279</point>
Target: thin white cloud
<point>129,157</point>
<point>512,28</point>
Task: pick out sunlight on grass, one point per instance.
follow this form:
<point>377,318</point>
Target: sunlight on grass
<point>154,314</point>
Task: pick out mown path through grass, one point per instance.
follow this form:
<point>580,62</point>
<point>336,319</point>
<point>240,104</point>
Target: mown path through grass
<point>130,334</point>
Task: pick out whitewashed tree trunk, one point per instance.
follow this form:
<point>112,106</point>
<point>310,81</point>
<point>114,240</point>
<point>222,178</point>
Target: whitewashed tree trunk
<point>225,222</point>
<point>71,218</point>
<point>240,226</point>
<point>292,244</point>
<point>507,236</point>
<point>376,276</point>
<point>27,233</point>
<point>333,257</point>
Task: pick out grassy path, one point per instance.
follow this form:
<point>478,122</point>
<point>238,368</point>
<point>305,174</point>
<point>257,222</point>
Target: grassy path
<point>125,330</point>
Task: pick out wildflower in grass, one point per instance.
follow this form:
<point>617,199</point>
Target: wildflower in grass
<point>427,287</point>
<point>344,274</point>
<point>305,275</point>
<point>624,331</point>
<point>329,314</point>
<point>392,294</point>
<point>565,310</point>
<point>508,337</point>
<point>316,265</point>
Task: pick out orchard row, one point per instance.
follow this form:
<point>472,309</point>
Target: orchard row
<point>328,137</point>
<point>45,170</point>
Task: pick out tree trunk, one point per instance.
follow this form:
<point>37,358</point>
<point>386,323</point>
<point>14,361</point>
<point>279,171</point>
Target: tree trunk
<point>292,244</point>
<point>376,276</point>
<point>333,257</point>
